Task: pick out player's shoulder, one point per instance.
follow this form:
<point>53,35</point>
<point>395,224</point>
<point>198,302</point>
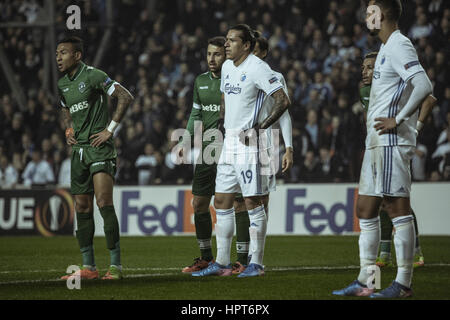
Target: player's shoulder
<point>399,41</point>
<point>92,71</point>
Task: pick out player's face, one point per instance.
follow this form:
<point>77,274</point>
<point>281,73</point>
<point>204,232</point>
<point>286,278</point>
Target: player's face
<point>367,71</point>
<point>234,46</point>
<point>257,51</point>
<point>369,21</point>
<point>66,57</point>
<point>215,56</point>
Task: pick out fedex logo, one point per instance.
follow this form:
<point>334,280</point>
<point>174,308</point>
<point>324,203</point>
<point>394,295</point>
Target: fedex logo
<point>149,218</point>
<point>316,217</point>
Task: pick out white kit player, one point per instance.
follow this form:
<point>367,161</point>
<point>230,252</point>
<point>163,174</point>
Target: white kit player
<point>399,85</point>
<point>246,80</point>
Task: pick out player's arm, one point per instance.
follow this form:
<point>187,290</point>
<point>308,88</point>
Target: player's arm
<point>196,112</point>
<point>67,121</point>
<point>280,105</point>
<point>427,106</point>
<point>286,132</point>
<point>221,121</point>
<point>124,100</point>
<point>421,88</point>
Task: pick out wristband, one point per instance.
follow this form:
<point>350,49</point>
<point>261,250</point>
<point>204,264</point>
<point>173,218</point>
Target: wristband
<point>112,126</point>
<point>419,125</point>
<point>69,131</point>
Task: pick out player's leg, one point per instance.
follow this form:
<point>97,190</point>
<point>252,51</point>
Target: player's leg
<point>203,232</point>
<point>82,189</point>
<point>367,207</point>
<point>419,260</point>
<point>384,258</point>
<point>103,188</point>
<point>226,187</point>
<point>203,189</point>
<point>242,234</point>
<point>398,207</point>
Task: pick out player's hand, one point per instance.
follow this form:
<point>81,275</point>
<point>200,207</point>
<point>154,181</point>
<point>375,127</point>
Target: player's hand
<point>99,138</point>
<point>249,135</point>
<point>384,125</point>
<point>70,137</point>
<point>288,160</point>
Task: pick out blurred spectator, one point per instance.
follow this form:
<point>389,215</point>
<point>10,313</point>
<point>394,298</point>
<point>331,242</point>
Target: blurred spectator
<point>8,174</point>
<point>442,157</point>
<point>418,163</point>
<point>144,163</point>
<point>64,170</point>
<point>38,171</point>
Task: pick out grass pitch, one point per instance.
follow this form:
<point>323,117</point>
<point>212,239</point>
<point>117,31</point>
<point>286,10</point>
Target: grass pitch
<point>297,267</point>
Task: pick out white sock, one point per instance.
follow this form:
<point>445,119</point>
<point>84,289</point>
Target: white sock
<point>404,241</point>
<point>258,230</point>
<point>369,240</point>
<point>224,235</point>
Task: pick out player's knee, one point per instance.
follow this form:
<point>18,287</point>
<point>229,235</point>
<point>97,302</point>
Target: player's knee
<point>103,201</point>
<point>200,204</point>
<point>83,206</point>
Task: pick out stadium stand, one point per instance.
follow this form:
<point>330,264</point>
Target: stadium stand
<point>158,49</point>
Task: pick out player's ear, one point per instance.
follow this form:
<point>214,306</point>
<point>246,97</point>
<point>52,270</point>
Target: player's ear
<point>78,55</point>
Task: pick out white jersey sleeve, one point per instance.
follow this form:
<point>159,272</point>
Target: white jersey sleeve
<point>404,59</point>
<point>266,79</point>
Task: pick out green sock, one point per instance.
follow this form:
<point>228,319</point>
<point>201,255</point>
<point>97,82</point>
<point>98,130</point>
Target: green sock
<point>416,229</point>
<point>85,235</point>
<point>242,236</point>
<point>386,232</point>
<point>203,231</point>
<point>111,228</point>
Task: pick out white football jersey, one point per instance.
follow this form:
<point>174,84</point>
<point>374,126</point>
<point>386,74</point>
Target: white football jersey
<point>244,88</point>
<point>396,64</point>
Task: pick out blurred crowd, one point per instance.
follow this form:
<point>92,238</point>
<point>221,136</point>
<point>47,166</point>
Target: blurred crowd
<point>159,47</point>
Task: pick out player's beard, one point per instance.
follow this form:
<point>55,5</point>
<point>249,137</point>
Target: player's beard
<point>374,32</point>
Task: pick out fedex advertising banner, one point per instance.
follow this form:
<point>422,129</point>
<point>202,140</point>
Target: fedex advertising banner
<point>317,209</point>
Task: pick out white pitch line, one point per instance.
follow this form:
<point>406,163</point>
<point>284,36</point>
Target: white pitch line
<point>273,269</point>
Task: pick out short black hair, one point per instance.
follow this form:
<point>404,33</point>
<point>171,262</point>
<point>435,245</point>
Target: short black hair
<point>247,34</point>
<point>76,42</point>
<point>218,41</point>
<point>262,41</point>
<point>392,9</point>
<point>371,55</point>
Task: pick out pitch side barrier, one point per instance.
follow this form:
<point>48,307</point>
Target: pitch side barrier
<point>294,209</point>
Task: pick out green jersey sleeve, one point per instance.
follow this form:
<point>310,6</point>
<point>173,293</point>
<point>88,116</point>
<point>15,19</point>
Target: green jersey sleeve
<point>196,113</point>
<point>101,81</point>
<point>364,96</point>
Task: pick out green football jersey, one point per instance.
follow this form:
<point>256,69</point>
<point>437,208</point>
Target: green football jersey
<point>364,95</point>
<point>207,98</point>
<point>85,95</point>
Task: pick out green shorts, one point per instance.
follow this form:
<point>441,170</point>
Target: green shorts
<point>87,161</point>
<point>204,183</point>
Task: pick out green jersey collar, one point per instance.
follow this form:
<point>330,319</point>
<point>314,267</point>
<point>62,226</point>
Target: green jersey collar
<point>79,71</point>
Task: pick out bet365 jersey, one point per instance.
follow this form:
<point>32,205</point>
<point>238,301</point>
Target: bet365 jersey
<point>396,64</point>
<point>207,98</point>
<point>85,95</point>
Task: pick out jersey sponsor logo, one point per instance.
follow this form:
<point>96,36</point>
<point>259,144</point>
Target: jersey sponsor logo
<point>211,107</point>
<point>82,87</point>
<point>274,79</point>
<point>411,64</point>
<point>203,88</point>
<point>79,106</point>
<point>231,89</point>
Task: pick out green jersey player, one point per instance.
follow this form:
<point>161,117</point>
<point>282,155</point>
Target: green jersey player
<point>83,91</point>
<point>384,258</point>
<point>206,109</point>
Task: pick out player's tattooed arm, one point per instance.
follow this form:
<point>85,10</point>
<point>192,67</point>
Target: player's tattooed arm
<point>125,99</point>
<point>67,120</point>
<point>281,104</point>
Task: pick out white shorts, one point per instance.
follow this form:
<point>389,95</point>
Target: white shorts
<point>243,173</point>
<point>386,171</point>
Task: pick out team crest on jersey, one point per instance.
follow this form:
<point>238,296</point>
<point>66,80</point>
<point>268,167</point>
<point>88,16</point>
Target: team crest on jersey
<point>376,74</point>
<point>82,87</point>
<point>243,77</point>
